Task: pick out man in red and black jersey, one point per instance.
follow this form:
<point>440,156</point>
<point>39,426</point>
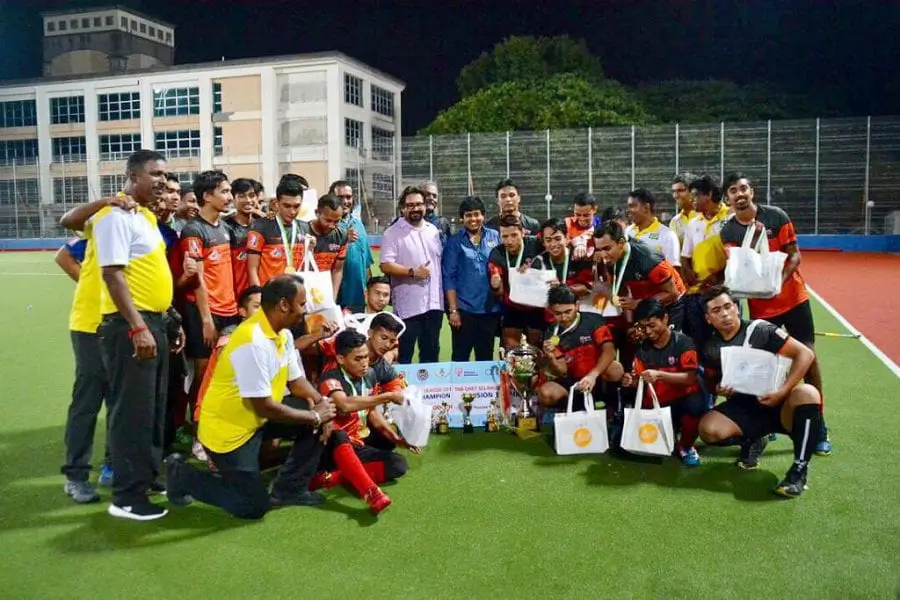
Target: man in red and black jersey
<point>330,248</point>
<point>791,308</point>
<point>351,386</point>
<point>245,203</point>
<point>277,246</point>
<point>640,270</point>
<point>515,252</point>
<point>667,360</point>
<point>578,274</point>
<point>578,351</point>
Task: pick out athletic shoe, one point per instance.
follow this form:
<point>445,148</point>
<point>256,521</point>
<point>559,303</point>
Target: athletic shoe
<point>326,479</point>
<point>142,510</point>
<point>794,482</point>
<point>823,448</point>
<point>81,492</point>
<point>106,476</point>
<point>199,451</point>
<point>156,489</point>
<point>175,493</point>
<point>299,499</point>
<point>773,437</point>
<point>689,457</point>
<point>377,500</point>
<point>750,453</point>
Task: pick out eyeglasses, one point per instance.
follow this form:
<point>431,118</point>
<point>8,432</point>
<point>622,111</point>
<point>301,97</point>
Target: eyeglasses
<point>416,205</point>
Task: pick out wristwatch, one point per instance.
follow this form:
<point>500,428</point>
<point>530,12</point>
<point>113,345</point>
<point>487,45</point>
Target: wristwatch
<point>452,311</point>
<point>317,418</point>
<point>412,272</point>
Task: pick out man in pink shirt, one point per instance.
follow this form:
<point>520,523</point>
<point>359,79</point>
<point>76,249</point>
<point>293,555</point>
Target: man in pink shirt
<point>411,255</point>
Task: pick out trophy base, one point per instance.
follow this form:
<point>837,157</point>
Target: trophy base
<point>526,426</point>
<point>492,427</point>
<point>443,428</point>
<point>468,428</point>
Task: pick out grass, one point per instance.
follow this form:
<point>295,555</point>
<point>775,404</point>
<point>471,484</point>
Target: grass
<point>480,516</point>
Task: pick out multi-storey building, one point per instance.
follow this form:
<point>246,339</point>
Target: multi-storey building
<point>63,139</point>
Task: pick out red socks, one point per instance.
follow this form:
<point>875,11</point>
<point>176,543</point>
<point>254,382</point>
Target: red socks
<point>330,479</point>
<point>690,430</point>
<point>352,470</point>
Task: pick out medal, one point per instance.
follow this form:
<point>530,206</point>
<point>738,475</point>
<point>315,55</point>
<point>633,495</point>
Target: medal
<point>289,270</point>
<point>288,248</point>
<point>364,431</point>
<point>616,302</point>
<point>556,334</point>
<point>555,340</point>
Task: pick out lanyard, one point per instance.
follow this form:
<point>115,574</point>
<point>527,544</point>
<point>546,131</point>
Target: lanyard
<point>363,414</point>
<point>519,260</point>
<point>289,249</point>
<point>565,273</point>
<point>617,280</point>
<point>574,324</point>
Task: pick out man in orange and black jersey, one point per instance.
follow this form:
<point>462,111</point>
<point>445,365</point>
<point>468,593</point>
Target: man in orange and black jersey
<point>791,308</point>
<point>578,352</point>
<point>580,226</point>
<point>330,248</point>
<point>577,273</point>
<point>515,251</point>
<point>668,361</point>
<point>277,246</point>
<point>246,209</point>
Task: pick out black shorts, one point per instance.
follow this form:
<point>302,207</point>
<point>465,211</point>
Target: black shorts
<point>193,331</point>
<point>798,322</point>
<point>524,318</point>
<point>754,419</point>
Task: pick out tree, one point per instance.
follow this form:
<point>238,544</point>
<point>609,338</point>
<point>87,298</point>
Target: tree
<point>558,102</point>
<point>528,58</point>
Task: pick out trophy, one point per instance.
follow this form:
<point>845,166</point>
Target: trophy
<point>491,424</point>
<point>443,421</point>
<point>521,363</point>
<point>468,398</point>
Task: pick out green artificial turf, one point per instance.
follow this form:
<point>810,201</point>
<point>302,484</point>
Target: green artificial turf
<point>478,516</point>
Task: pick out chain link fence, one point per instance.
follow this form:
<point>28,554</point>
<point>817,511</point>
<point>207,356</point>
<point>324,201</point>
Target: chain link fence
<point>832,176</point>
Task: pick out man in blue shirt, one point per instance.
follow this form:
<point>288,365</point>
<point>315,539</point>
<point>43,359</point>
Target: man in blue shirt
<point>358,264</point>
<point>474,317</point>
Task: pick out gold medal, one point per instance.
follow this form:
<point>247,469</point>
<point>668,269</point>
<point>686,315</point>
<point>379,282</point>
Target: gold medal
<point>364,431</point>
<point>616,302</point>
<point>555,340</point>
<point>289,270</point>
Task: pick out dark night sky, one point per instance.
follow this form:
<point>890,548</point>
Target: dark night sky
<point>848,50</point>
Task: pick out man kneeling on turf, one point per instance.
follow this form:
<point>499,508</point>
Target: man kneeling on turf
<point>578,351</point>
<point>348,457</point>
<point>791,409</point>
<point>667,360</point>
<point>245,403</point>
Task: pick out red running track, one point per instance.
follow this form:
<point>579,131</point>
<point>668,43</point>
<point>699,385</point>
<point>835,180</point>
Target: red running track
<point>862,287</point>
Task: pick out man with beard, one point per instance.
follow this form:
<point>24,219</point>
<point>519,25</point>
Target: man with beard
<point>411,255</point>
<point>245,404</point>
<point>471,310</point>
<point>508,200</point>
<point>430,189</point>
<point>359,259</point>
<point>135,334</point>
<point>330,247</point>
<point>246,204</point>
<point>684,204</point>
<point>516,251</point>
<point>794,408</point>
<point>277,246</point>
<point>791,308</point>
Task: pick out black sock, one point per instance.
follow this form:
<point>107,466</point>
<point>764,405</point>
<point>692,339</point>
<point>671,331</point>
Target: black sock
<point>805,432</point>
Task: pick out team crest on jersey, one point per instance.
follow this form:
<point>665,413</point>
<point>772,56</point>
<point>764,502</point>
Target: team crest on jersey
<point>585,339</point>
<point>653,236</point>
<point>671,360</point>
<point>277,253</point>
<point>334,247</point>
<point>242,255</point>
<point>332,385</point>
<point>492,244</point>
<point>214,255</point>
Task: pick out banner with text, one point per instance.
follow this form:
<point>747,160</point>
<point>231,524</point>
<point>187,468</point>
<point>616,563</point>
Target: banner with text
<point>446,382</point>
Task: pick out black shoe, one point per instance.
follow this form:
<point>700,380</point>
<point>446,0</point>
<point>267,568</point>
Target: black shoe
<point>751,452</point>
<point>301,499</point>
<point>156,488</point>
<point>141,510</point>
<point>176,495</point>
<point>794,482</point>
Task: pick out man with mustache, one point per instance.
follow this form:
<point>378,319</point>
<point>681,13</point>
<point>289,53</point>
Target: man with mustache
<point>508,200</point>
<point>791,308</point>
<point>430,189</point>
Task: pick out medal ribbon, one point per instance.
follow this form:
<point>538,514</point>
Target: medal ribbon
<point>519,260</point>
<point>289,249</point>
<point>364,413</point>
<point>617,276</point>
<point>565,273</point>
<point>574,324</point>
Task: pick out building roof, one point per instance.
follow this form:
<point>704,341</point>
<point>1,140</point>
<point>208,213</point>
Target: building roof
<point>285,58</point>
<point>78,11</point>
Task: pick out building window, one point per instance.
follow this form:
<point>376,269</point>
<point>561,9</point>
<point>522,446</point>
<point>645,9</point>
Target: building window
<point>382,144</point>
<point>353,90</point>
<point>186,177</point>
<point>133,25</point>
<point>73,24</point>
<point>98,22</point>
<point>151,31</point>
<point>159,35</point>
<point>143,28</point>
<point>178,143</point>
<point>168,36</point>
<point>109,21</point>
<point>69,149</point>
<point>120,106</point>
<point>218,142</point>
<point>217,97</point>
<point>353,133</point>
<point>352,175</point>
<point>382,101</point>
<point>18,113</point>
<point>67,110</point>
<point>174,102</point>
<point>70,190</point>
<point>19,191</point>
<point>123,22</point>
<point>18,152</point>
<point>110,185</point>
<point>382,185</point>
<point>119,146</point>
<point>62,26</point>
<point>85,23</point>
<point>51,26</point>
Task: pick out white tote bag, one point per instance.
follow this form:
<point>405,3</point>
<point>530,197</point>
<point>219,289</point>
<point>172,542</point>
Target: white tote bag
<point>649,431</point>
<point>362,322</point>
<point>319,289</point>
<point>754,272</point>
<point>413,417</point>
<point>752,371</point>
<point>530,288</point>
<point>582,432</point>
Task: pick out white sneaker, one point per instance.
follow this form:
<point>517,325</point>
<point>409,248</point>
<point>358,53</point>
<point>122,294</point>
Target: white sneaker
<point>139,511</point>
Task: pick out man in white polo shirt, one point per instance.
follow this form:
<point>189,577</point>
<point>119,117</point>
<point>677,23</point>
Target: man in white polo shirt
<point>647,228</point>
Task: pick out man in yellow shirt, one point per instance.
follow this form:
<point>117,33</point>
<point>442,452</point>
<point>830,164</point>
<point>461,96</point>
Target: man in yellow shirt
<point>135,332</point>
<point>702,255</point>
<point>684,204</point>
<point>647,228</point>
<point>245,403</point>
